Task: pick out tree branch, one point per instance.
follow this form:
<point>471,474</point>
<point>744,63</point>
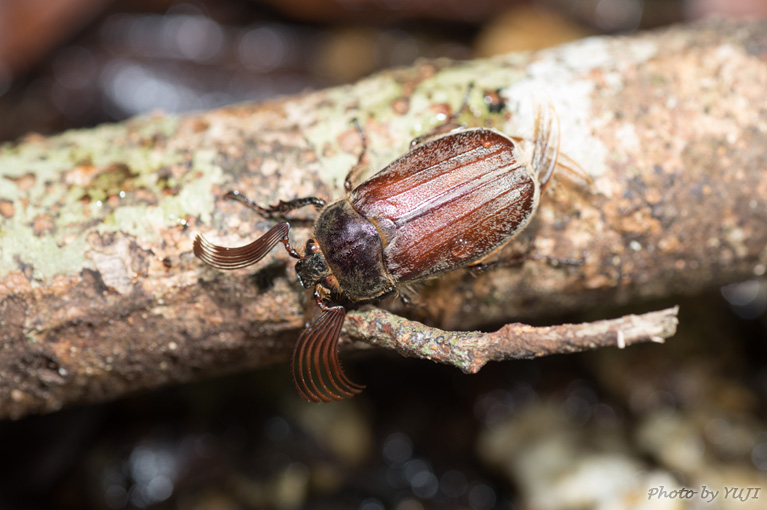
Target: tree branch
<point>471,350</point>
<point>100,294</point>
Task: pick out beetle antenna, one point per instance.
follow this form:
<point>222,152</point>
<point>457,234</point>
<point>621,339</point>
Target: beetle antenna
<point>222,257</point>
<point>317,373</point>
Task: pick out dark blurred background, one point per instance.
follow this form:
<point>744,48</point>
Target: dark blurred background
<point>568,432</point>
<point>75,63</point>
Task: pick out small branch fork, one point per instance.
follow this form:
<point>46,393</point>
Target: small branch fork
<point>471,350</point>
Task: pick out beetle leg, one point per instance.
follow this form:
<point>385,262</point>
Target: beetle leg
<point>478,268</point>
<point>574,168</point>
<point>317,373</point>
<point>481,267</point>
<point>278,209</point>
<point>569,164</point>
<point>355,171</point>
<point>546,144</point>
<point>408,294</point>
<point>560,261</point>
<point>449,124</point>
<point>221,257</point>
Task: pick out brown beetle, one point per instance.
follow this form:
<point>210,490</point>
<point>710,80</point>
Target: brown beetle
<point>446,204</point>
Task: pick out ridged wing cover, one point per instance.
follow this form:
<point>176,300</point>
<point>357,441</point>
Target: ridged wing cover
<point>448,203</point>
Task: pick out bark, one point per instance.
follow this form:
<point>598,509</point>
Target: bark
<point>100,294</point>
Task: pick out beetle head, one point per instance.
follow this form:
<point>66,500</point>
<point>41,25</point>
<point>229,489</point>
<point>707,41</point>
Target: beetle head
<point>312,267</point>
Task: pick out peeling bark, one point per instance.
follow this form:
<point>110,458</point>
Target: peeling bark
<point>100,294</point>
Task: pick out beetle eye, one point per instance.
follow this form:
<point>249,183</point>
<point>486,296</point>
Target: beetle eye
<point>311,247</point>
<point>331,282</point>
<point>311,269</point>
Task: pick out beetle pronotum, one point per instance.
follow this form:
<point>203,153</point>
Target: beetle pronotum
<point>446,204</point>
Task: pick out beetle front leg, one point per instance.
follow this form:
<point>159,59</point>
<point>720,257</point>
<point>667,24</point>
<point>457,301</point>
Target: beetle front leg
<point>278,209</point>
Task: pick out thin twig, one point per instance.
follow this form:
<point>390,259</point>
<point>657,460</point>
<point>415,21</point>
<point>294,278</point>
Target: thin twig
<point>470,350</point>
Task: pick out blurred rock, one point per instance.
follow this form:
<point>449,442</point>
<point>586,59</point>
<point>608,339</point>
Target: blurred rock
<point>526,28</point>
<point>340,428</point>
<point>389,10</point>
<point>558,464</point>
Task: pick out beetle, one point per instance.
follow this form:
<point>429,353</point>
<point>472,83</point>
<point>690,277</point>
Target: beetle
<point>448,203</point>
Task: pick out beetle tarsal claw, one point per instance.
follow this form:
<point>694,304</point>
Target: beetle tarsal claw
<point>221,257</point>
<point>317,372</point>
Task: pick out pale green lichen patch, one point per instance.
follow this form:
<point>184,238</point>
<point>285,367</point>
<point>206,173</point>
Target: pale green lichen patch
<point>194,198</point>
<point>323,132</point>
<point>42,256</point>
<point>102,180</point>
<point>115,179</point>
<point>373,104</point>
